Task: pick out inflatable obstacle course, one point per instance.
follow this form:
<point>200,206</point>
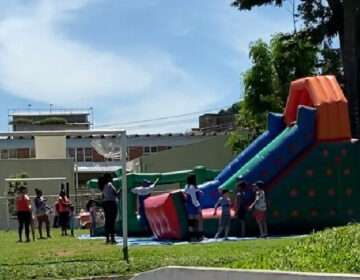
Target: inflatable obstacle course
<point>319,190</point>
<point>135,179</point>
<point>275,125</point>
<point>307,159</point>
<point>305,189</point>
<point>167,216</point>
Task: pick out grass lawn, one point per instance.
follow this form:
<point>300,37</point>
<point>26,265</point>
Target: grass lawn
<point>66,257</point>
<point>332,250</point>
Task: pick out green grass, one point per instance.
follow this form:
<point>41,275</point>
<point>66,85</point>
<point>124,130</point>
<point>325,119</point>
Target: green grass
<point>332,250</point>
<point>66,257</point>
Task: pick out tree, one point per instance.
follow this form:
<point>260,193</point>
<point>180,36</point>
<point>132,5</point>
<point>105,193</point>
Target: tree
<point>324,20</point>
<point>13,189</point>
<point>267,82</point>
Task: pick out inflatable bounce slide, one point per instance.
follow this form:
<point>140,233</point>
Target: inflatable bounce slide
<point>176,179</point>
<point>306,158</point>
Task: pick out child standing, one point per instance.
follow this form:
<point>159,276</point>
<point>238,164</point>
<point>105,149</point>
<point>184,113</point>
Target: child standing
<point>225,219</point>
<point>193,209</point>
<point>57,214</point>
<point>240,205</point>
<point>143,192</point>
<point>259,206</point>
<point>90,207</point>
<point>41,211</point>
<point>64,212</point>
<point>32,226</point>
<point>72,220</point>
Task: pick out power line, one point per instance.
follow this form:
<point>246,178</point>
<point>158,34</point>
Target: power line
<point>164,118</point>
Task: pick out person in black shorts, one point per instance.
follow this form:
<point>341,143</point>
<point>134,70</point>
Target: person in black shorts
<point>240,205</point>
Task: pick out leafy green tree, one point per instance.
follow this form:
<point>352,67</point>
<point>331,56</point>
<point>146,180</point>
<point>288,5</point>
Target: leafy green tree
<point>13,190</point>
<point>324,20</point>
<point>267,82</point>
<point>294,56</point>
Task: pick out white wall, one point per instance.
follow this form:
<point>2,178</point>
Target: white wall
<point>50,147</point>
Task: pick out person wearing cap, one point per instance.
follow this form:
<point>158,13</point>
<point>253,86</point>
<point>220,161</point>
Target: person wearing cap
<point>143,192</point>
<point>259,207</point>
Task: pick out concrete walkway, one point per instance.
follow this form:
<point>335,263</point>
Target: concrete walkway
<point>204,273</point>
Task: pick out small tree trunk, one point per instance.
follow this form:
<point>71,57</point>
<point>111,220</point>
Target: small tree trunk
<point>350,62</point>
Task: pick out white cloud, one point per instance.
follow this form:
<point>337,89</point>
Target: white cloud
<point>37,62</point>
<point>237,29</point>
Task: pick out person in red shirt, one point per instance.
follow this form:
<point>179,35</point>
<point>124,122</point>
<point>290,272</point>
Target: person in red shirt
<point>23,210</point>
<point>64,211</point>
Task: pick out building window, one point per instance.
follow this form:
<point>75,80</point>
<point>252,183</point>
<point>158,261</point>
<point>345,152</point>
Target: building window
<point>12,153</point>
<point>146,151</point>
<point>71,153</point>
<point>150,150</point>
<point>80,154</point>
<point>23,153</point>
<point>32,153</point>
<point>4,154</point>
<point>88,154</point>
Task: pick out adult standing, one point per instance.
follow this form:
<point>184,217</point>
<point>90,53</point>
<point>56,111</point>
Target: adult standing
<point>23,209</point>
<point>143,192</point>
<point>64,211</point>
<point>109,195</point>
<point>41,213</point>
<point>193,209</point>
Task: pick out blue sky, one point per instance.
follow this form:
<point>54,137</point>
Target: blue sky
<point>128,59</point>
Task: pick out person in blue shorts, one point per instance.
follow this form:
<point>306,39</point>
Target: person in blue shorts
<point>143,192</point>
<point>193,209</point>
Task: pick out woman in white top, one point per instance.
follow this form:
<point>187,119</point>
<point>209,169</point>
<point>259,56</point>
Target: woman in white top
<point>110,195</point>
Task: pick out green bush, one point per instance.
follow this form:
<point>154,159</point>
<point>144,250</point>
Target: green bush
<point>13,189</point>
<point>51,120</point>
<point>21,121</point>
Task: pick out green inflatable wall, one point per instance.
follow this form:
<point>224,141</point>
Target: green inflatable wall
<point>321,189</point>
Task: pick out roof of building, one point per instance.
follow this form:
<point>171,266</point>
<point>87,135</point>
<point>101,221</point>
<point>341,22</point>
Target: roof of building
<point>8,135</point>
<point>48,112</point>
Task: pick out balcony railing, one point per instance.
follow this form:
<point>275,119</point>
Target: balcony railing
<point>46,112</point>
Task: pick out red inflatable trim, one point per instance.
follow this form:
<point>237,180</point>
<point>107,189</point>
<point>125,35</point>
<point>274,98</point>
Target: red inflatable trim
<point>162,216</point>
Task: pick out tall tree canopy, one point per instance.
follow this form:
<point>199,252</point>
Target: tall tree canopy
<point>266,83</point>
<point>323,20</point>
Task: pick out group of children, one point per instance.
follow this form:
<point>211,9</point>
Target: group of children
<point>26,214</point>
<point>258,206</point>
<point>192,205</point>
